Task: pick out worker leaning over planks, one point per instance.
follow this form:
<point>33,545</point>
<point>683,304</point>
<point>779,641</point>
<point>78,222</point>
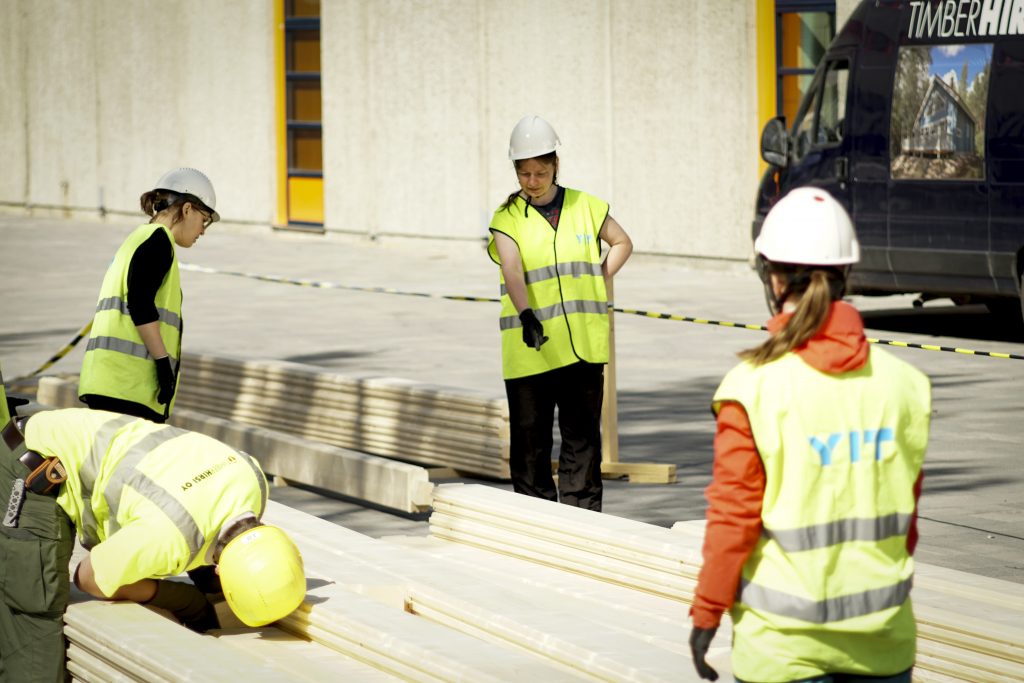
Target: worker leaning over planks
<point>148,501</point>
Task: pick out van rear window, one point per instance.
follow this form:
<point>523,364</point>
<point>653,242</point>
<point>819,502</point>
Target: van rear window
<point>939,103</point>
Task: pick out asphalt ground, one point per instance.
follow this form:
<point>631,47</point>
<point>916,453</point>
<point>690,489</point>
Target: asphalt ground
<point>972,509</point>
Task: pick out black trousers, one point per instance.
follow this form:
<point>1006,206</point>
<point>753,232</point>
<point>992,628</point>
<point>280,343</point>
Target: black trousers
<point>577,391</point>
<point>120,405</point>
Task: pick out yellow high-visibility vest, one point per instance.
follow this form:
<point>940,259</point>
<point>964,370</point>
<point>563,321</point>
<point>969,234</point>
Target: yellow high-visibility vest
<point>5,415</point>
<point>564,285</point>
<point>116,361</point>
<point>827,588</point>
<point>169,489</point>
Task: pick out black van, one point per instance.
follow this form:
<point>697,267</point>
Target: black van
<point>915,122</point>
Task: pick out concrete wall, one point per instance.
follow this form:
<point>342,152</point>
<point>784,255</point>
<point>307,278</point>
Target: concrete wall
<point>844,8</point>
<point>115,93</point>
<point>655,103</point>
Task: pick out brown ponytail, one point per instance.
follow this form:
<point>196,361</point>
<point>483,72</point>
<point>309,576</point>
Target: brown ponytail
<point>811,312</point>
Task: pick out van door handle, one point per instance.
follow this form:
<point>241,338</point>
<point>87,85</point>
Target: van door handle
<point>842,168</point>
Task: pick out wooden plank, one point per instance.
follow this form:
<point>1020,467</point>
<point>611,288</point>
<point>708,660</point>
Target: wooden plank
<point>641,472</point>
<point>381,481</point>
<point>304,659</point>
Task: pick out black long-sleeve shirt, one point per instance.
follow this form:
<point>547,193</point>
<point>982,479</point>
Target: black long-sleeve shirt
<point>146,272</point>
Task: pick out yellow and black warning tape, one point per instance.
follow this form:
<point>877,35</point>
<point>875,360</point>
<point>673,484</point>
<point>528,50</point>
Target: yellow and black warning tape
<point>887,342</point>
<point>63,352</point>
<point>631,311</point>
<point>323,284</point>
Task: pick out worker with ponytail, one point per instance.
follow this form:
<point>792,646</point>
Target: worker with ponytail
<point>811,522</point>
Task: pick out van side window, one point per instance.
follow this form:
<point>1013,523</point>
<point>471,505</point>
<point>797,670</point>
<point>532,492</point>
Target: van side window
<point>821,120</point>
<point>939,106</point>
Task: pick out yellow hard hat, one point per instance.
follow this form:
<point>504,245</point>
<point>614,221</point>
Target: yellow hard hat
<point>262,576</point>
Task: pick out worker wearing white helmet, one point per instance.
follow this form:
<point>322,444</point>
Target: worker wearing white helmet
<point>811,522</point>
<point>131,360</point>
<point>149,502</point>
<point>554,318</point>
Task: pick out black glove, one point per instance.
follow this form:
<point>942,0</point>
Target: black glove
<point>206,579</point>
<point>533,331</point>
<point>700,639</point>
<point>187,603</point>
<point>164,380</point>
<point>14,402</point>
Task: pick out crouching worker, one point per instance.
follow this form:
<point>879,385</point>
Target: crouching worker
<point>149,502</point>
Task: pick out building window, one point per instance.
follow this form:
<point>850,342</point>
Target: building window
<point>803,31</point>
<point>301,197</point>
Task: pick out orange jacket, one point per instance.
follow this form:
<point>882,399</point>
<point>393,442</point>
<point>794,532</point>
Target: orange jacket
<point>737,487</point>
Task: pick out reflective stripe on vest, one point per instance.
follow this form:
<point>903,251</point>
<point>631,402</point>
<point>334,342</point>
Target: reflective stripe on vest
<point>509,322</point>
<point>573,269</point>
<point>840,531</point>
<point>123,346</point>
<point>828,610</point>
<point>116,303</point>
<point>128,474</point>
<point>90,471</point>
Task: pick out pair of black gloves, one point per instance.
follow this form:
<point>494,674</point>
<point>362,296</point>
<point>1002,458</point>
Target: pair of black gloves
<point>189,602</point>
<point>165,380</point>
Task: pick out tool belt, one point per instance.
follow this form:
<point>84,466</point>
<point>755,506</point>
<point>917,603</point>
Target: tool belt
<point>46,474</point>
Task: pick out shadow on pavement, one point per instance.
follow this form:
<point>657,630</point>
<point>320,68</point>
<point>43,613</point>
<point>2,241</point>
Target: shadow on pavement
<point>966,322</point>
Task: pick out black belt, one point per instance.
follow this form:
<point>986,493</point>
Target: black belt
<point>45,474</point>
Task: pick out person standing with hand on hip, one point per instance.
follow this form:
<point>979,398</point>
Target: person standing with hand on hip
<point>131,360</point>
<point>554,318</point>
<point>812,509</point>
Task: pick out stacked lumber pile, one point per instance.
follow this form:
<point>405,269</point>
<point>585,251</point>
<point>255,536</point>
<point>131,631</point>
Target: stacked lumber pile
<point>489,617</point>
<point>427,609</point>
<point>970,628</point>
<point>411,609</point>
<point>621,551</point>
<point>388,483</point>
<point>128,642</point>
<point>396,418</point>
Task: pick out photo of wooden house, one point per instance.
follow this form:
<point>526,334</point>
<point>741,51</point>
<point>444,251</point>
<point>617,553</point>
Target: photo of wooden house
<point>944,124</point>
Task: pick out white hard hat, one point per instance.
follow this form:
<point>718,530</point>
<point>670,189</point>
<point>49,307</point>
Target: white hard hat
<point>193,182</point>
<point>808,227</point>
<point>532,137</point>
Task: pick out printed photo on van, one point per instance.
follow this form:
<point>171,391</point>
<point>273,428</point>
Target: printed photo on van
<point>940,96</point>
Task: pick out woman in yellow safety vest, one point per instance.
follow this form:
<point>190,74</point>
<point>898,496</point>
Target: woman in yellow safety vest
<point>812,515</point>
<point>131,360</point>
<point>554,318</point>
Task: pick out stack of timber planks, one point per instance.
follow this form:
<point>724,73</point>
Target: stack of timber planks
<point>412,609</point>
<point>970,628</point>
<point>388,483</point>
<point>460,613</point>
<point>428,609</point>
<point>412,421</point>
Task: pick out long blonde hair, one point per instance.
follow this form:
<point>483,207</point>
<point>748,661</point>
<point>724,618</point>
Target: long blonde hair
<point>817,289</point>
